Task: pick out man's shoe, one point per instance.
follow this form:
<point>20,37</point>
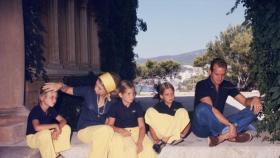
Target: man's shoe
<point>242,138</point>
<point>175,142</point>
<point>157,147</point>
<point>213,141</point>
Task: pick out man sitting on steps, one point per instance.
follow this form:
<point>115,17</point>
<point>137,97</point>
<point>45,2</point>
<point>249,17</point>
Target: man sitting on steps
<point>210,98</point>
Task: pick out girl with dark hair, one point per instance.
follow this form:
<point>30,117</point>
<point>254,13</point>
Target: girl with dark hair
<point>168,120</point>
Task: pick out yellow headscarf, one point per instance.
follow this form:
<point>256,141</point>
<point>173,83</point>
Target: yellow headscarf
<point>108,82</point>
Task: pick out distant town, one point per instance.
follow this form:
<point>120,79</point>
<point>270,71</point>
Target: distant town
<point>183,81</point>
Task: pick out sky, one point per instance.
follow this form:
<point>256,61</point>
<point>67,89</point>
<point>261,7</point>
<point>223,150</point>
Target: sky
<point>180,26</point>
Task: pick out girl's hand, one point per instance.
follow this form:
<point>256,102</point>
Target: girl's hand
<point>139,146</point>
<point>125,133</point>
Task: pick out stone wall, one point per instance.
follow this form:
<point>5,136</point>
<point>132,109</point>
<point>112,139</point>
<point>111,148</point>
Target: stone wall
<point>71,43</point>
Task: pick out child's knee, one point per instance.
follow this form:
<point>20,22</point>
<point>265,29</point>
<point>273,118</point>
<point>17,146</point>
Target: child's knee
<point>107,130</point>
<point>182,112</point>
<point>66,128</point>
<point>44,136</point>
<point>150,112</point>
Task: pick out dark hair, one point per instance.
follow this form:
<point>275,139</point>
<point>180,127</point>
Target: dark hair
<point>125,84</point>
<point>220,62</point>
<point>164,86</point>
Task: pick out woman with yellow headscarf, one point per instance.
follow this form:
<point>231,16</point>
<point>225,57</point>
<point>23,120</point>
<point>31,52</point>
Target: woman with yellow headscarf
<point>91,124</point>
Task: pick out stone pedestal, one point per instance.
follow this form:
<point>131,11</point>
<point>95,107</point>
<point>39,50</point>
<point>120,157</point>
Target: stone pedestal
<point>12,112</point>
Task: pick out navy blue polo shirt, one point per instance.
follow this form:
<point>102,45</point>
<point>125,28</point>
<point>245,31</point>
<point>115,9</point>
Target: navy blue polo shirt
<point>161,107</point>
<point>44,118</point>
<point>126,117</point>
<point>90,113</point>
<point>205,88</point>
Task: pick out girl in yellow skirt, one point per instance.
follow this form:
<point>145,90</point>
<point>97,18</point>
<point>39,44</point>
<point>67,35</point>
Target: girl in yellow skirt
<point>91,124</point>
<point>46,129</point>
<point>168,121</point>
<point>126,118</point>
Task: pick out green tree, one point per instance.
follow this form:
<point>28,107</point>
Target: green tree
<point>33,40</point>
<point>141,70</point>
<point>189,84</point>
<point>263,16</point>
<point>169,68</point>
<point>119,25</point>
<point>233,45</point>
<point>162,69</point>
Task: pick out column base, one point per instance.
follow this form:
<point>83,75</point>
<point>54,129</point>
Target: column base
<point>13,125</point>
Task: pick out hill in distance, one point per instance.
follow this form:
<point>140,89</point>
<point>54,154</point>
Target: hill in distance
<point>184,58</point>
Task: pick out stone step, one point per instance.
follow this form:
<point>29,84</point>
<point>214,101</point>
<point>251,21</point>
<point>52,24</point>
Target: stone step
<point>194,147</point>
<point>19,152</point>
<point>12,125</point>
<point>13,133</point>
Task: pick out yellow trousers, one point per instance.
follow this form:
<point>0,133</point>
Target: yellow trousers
<point>125,147</point>
<point>98,138</point>
<point>167,126</point>
<point>46,145</point>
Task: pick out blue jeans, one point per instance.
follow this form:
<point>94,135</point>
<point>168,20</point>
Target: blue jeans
<point>205,123</point>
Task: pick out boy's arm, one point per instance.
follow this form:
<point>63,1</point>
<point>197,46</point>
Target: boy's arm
<point>39,127</point>
<point>61,121</point>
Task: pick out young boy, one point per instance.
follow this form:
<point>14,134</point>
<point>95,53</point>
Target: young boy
<point>46,129</point>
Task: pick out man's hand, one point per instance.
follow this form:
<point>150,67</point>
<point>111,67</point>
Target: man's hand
<point>232,131</point>
<point>52,86</point>
<point>256,105</point>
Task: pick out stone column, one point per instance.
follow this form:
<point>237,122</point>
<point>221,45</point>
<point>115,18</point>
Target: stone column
<point>94,45</point>
<point>70,32</point>
<point>84,34</point>
<point>12,111</point>
<point>53,51</point>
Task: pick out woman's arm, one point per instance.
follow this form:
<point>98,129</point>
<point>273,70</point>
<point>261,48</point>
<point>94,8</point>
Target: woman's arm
<point>55,86</point>
<point>39,127</point>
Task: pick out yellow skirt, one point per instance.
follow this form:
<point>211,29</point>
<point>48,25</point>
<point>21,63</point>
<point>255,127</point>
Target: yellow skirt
<point>46,145</point>
<point>125,147</point>
<point>167,126</point>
